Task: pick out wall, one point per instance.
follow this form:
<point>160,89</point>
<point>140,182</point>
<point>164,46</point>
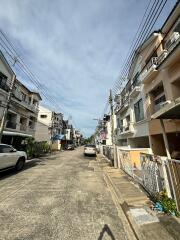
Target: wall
<point>42,132</point>
<point>4,94</point>
<point>139,142</point>
<point>108,136</point>
<point>45,111</point>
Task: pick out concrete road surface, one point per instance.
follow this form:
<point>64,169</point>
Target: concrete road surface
<point>58,197</point>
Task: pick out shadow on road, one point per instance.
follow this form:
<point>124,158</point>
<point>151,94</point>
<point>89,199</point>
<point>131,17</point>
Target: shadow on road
<point>11,171</point>
<point>107,230</point>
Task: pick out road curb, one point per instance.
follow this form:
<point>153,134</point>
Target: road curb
<point>121,203</point>
<point>131,234</point>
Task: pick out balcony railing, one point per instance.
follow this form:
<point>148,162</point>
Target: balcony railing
<point>150,67</point>
<point>128,128</point>
<point>25,104</point>
<point>23,127</point>
<point>11,125</point>
<point>156,61</point>
<point>168,50</point>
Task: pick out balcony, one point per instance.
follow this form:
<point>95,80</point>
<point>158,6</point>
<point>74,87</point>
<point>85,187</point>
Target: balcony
<point>126,129</point>
<point>32,108</point>
<point>172,52</point>
<point>124,105</point>
<point>117,98</point>
<point>23,127</point>
<point>11,125</point>
<point>150,71</point>
<point>135,91</point>
<point>17,95</point>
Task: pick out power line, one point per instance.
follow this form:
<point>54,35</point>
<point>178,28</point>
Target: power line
<point>145,30</point>
<point>25,69</point>
<point>153,14</point>
<point>142,35</point>
<point>13,56</point>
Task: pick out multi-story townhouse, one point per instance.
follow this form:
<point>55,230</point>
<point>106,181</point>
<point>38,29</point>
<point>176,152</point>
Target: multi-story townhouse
<point>153,88</point>
<point>23,108</point>
<point>69,132</point>
<point>77,137</point>
<point>6,78</point>
<point>23,111</point>
<point>107,127</point>
<point>161,79</point>
<point>104,130</point>
<point>132,125</point>
<point>49,124</point>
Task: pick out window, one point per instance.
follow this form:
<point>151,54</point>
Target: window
<point>43,116</point>
<point>135,80</point>
<point>158,102</point>
<point>3,82</point>
<point>5,149</point>
<point>177,27</point>
<point>23,96</point>
<point>139,111</point>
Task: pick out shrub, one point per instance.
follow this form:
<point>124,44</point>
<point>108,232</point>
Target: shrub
<point>168,204</point>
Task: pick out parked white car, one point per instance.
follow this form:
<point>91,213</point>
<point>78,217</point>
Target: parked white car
<point>90,150</point>
<point>10,157</point>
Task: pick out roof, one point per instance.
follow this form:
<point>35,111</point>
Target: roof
<point>6,62</point>
<point>37,94</point>
<point>147,41</point>
<point>173,15</point>
<point>8,133</point>
<point>59,137</point>
<point>19,82</point>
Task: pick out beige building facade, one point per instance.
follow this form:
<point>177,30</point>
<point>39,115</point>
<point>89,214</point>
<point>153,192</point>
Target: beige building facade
<point>162,88</point>
<point>23,108</point>
<point>153,86</point>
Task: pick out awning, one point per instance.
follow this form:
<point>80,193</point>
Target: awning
<point>59,137</point>
<point>169,111</point>
<point>7,133</point>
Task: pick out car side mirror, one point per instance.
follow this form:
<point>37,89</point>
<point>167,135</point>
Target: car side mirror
<point>13,150</point>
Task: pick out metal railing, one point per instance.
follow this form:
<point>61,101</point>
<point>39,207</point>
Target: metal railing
<point>154,173</point>
<point>168,50</point>
<point>23,127</point>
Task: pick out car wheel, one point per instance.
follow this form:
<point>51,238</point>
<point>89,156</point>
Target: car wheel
<point>20,164</point>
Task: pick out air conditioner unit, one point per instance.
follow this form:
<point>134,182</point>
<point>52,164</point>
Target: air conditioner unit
<point>165,103</point>
<point>173,39</point>
<point>175,36</point>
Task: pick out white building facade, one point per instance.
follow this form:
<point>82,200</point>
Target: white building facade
<point>49,124</point>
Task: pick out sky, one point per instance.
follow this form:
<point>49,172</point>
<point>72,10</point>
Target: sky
<point>76,48</point>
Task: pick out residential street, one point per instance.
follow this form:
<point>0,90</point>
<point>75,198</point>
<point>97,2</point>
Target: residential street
<point>58,197</point>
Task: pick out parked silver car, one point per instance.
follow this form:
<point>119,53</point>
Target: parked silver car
<point>90,150</point>
<point>10,157</point>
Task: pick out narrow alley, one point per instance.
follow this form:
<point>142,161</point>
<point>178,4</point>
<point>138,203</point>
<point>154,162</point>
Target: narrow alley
<point>58,197</point>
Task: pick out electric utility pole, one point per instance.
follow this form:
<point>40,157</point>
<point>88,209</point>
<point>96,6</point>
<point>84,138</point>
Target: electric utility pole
<point>112,128</point>
<point>5,111</point>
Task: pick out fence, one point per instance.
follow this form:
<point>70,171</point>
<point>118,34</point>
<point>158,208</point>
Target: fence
<point>173,170</point>
<point>108,151</point>
<point>154,173</point>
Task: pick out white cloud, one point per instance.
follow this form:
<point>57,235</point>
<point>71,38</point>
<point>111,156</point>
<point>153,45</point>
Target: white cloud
<point>76,48</point>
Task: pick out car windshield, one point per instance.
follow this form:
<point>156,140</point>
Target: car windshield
<point>93,146</point>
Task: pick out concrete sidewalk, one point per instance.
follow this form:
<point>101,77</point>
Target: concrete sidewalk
<point>135,204</point>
